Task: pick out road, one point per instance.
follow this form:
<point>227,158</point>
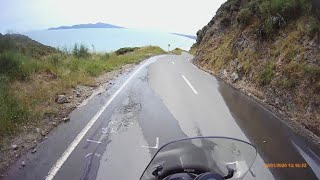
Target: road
<point>114,135</point>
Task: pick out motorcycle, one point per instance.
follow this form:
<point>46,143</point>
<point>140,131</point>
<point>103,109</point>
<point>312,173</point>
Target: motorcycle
<point>201,158</point>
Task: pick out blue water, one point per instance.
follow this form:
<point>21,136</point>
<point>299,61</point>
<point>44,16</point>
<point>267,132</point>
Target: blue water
<point>101,40</point>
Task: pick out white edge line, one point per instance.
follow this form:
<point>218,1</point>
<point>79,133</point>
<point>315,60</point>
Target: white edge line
<point>190,85</point>
<point>53,171</point>
<point>312,162</point>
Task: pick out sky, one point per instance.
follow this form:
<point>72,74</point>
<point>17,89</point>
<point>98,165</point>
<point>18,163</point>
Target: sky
<point>179,16</point>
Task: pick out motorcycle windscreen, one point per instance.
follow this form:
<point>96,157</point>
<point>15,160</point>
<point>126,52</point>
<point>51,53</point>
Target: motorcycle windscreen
<point>202,154</point>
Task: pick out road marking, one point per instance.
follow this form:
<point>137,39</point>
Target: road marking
<point>127,124</point>
<point>113,122</point>
<point>95,154</point>
<point>114,130</point>
<point>172,62</point>
<point>186,80</point>
<point>98,142</point>
<point>181,161</point>
<point>53,171</point>
<point>155,147</point>
<point>89,154</point>
<point>105,130</point>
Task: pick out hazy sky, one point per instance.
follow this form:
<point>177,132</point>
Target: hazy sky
<point>181,16</point>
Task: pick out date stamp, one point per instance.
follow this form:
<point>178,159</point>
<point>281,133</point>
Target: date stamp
<point>286,165</point>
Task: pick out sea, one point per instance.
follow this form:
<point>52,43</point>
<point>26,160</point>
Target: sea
<point>110,39</point>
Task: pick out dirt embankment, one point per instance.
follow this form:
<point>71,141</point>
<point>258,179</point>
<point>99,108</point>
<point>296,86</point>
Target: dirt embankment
<point>33,133</point>
<point>271,52</point>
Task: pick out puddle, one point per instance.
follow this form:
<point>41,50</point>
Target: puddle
<point>272,137</point>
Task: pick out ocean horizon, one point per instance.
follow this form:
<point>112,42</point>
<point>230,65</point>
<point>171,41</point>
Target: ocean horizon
<point>109,39</point>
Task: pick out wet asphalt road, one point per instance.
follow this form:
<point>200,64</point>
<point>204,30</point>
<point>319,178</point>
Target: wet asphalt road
<point>165,99</point>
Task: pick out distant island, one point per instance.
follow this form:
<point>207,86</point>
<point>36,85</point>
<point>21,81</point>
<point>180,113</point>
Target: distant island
<point>90,25</point>
<point>184,35</point>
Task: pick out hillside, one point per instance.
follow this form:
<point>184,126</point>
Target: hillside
<point>80,26</point>
<point>25,45</point>
<point>269,49</point>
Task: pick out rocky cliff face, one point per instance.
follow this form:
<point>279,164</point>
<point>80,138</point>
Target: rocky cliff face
<point>270,49</point>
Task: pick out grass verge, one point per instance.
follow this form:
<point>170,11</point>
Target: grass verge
<point>177,51</point>
<point>29,85</point>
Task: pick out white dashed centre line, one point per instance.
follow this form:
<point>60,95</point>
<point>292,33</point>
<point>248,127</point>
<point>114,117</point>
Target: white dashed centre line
<point>172,62</point>
<point>190,85</point>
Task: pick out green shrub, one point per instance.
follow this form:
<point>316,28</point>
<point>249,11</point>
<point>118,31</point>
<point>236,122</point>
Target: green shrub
<point>290,82</point>
<point>286,8</point>
<point>312,27</point>
<point>125,50</point>
<point>6,44</point>
<point>11,111</point>
<point>265,76</point>
<point>270,26</point>
<point>253,6</point>
<point>55,60</point>
<point>313,72</point>
<point>105,56</point>
<point>81,51</point>
<point>177,51</point>
<point>16,65</point>
<point>306,6</point>
<point>94,69</point>
<point>75,50</point>
<point>265,9</point>
<point>64,50</point>
<point>9,62</point>
<point>229,5</point>
<point>267,29</point>
<point>289,9</point>
<point>244,16</point>
<point>74,64</point>
<point>317,87</point>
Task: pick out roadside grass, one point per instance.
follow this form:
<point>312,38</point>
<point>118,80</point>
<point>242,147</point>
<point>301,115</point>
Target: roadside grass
<point>12,112</point>
<point>284,68</point>
<point>266,74</point>
<point>193,49</point>
<point>177,51</point>
<point>125,50</point>
<point>29,85</point>
<point>223,54</point>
